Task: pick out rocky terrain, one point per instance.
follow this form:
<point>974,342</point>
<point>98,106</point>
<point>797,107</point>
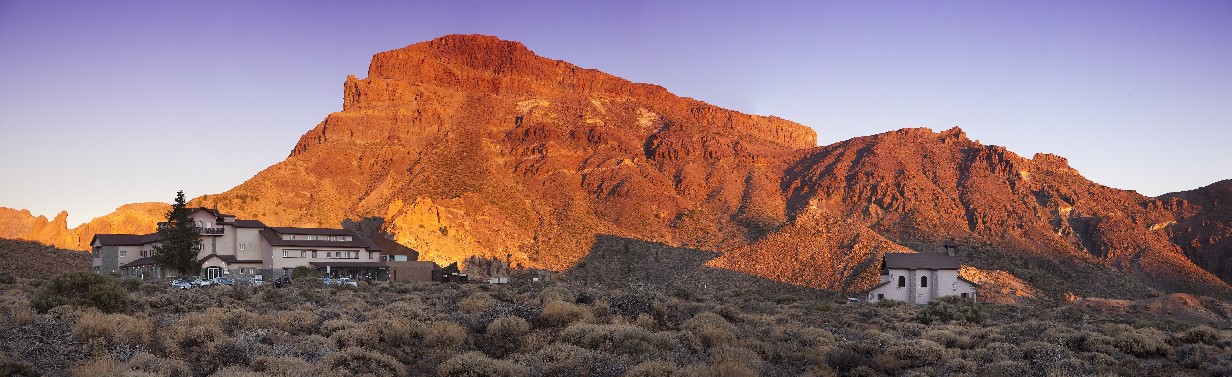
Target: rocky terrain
<point>471,145</point>
<point>138,218</point>
<point>28,259</point>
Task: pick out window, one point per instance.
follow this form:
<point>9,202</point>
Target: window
<point>122,252</point>
<point>902,281</point>
<point>964,295</point>
<point>285,254</point>
<point>243,246</point>
<point>370,254</point>
<point>303,254</point>
<point>314,253</point>
<point>924,282</point>
<point>881,296</point>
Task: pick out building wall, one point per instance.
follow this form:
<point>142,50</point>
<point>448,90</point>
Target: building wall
<point>411,270</point>
<point>105,261</point>
<point>281,262</point>
<point>941,283</point>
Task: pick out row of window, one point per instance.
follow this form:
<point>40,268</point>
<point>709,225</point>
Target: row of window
<point>328,254</point>
<point>150,253</point>
<point>313,237</point>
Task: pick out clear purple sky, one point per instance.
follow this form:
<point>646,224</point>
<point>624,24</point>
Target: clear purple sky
<point>99,101</point>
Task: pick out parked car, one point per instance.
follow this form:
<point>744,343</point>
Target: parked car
<point>346,281</point>
<point>223,281</point>
<point>181,284</point>
<point>199,282</point>
<point>282,282</point>
<point>327,281</point>
<point>256,282</point>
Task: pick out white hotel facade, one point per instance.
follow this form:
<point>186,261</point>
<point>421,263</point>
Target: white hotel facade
<point>245,249</point>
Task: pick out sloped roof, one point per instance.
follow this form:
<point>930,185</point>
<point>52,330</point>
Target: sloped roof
<point>231,259</point>
<point>146,261</point>
<point>920,261</point>
<point>124,239</point>
<point>314,231</point>
<point>275,239</point>
<point>350,264</point>
<point>248,224</point>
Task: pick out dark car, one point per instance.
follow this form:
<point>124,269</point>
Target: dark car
<point>223,281</point>
<point>282,282</point>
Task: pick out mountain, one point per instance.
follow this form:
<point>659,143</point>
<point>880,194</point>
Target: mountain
<point>471,145</point>
<point>129,218</point>
<point>929,190</point>
<point>1203,227</point>
<point>474,145</point>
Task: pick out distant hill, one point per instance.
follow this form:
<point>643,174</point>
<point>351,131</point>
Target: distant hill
<point>29,259</point>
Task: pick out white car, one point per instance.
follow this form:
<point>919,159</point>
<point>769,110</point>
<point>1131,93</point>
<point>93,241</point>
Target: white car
<point>181,284</point>
<point>346,281</point>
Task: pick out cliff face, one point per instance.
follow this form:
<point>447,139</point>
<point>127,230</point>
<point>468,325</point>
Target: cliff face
<point>475,145</point>
<point>136,218</point>
<point>1203,228</point>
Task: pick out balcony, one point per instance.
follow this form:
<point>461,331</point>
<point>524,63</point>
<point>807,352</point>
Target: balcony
<point>211,231</point>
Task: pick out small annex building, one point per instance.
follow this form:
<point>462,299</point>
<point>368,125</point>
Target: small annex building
<point>918,278</point>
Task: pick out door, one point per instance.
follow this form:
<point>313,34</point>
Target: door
<point>213,272</point>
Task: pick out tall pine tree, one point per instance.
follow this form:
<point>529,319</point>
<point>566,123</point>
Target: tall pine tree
<point>179,240</point>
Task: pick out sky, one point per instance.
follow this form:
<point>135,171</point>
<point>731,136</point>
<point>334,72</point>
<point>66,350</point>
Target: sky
<point>108,103</point>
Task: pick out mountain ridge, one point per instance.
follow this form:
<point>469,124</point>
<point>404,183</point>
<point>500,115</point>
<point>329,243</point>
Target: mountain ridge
<point>472,145</point>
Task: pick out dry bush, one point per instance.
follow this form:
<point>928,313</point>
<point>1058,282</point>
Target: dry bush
<point>296,321</point>
<point>85,289</point>
<point>560,359</point>
<point>918,352</point>
<point>445,335</point>
<point>15,310</point>
<point>996,352</point>
<point>311,348</point>
<point>16,368</point>
<point>621,338</point>
<point>404,311</point>
<point>724,354</point>
<point>149,363</point>
<point>1008,368</point>
<point>100,366</point>
<point>1198,334</point>
<point>554,293</point>
<point>476,364</point>
<point>281,366</point>
<point>505,335</point>
<point>654,368</point>
<point>328,328</point>
<point>1144,342</point>
<point>476,303</point>
<point>725,369</point>
<point>953,308</point>
<point>707,330</point>
<point>949,337</point>
<point>1043,356</point>
<point>187,335</point>
<point>360,361</point>
<point>561,313</point>
<point>114,329</point>
<point>236,371</point>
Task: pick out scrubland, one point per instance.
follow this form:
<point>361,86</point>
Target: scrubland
<point>561,329</point>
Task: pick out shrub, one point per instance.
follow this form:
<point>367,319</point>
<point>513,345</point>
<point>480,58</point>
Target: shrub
<point>5,278</point>
<point>560,313</point>
<point>550,294</point>
<point>476,303</point>
<point>1199,334</point>
<point>917,352</point>
<point>709,330</point>
<point>359,361</point>
<point>559,359</point>
<point>952,308</point>
<point>1141,342</point>
<point>305,272</point>
<point>15,368</point>
<point>476,364</point>
<point>85,289</point>
<point>621,338</point>
<point>445,335</point>
<point>280,365</point>
<point>654,368</point>
<point>114,329</point>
